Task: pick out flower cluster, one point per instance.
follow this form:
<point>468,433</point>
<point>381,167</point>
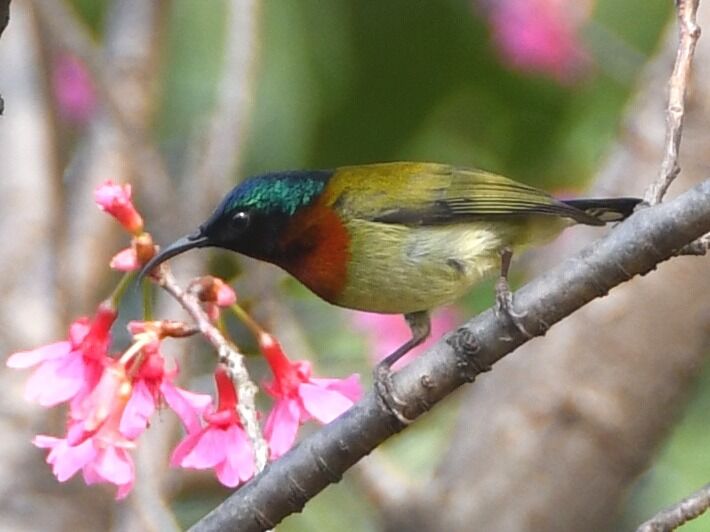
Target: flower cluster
<point>111,397</point>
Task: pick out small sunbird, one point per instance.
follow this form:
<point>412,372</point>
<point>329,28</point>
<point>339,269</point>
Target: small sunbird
<point>394,238</point>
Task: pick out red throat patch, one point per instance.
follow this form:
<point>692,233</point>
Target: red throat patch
<point>317,250</point>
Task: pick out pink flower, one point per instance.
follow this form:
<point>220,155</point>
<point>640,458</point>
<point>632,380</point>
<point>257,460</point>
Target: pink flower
<point>116,201</point>
<point>105,462</point>
<point>386,332</point>
<point>300,397</point>
<point>73,89</point>
<point>105,424</point>
<point>94,442</point>
<point>540,35</point>
<point>222,444</point>
<point>69,369</point>
<point>151,383</point>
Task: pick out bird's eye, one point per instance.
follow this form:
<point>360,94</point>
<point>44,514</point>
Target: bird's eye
<point>240,220</point>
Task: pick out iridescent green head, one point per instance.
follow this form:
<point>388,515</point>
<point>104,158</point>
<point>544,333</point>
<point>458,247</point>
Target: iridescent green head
<point>251,217</point>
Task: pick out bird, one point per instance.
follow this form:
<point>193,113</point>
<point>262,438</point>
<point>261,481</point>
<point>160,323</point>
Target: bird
<point>392,238</point>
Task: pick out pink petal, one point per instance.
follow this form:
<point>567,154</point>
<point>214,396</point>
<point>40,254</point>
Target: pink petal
<point>188,406</point>
<point>184,448</point>
<point>26,359</point>
<point>239,463</point>
<point>226,296</point>
<point>123,491</point>
<point>241,456</point>
<point>46,442</point>
<point>209,450</point>
<point>78,331</point>
<point>114,465</point>
<point>116,201</point>
<point>108,195</point>
<point>227,474</point>
<point>349,387</point>
<point>136,414</point>
<point>66,460</point>
<point>125,260</point>
<point>323,404</point>
<point>281,426</point>
<point>56,381</point>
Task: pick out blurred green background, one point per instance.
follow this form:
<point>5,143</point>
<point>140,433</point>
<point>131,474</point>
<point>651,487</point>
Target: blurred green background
<point>347,82</point>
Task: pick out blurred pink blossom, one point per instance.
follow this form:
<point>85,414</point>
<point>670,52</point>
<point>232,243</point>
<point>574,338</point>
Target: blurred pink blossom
<point>540,35</point>
<point>73,89</point>
<point>300,397</point>
<point>387,332</point>
<point>222,443</point>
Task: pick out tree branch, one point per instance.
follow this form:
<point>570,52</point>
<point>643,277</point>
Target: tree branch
<point>4,20</point>
<point>4,14</point>
<point>228,355</point>
<point>677,89</point>
<point>677,515</point>
<point>634,247</point>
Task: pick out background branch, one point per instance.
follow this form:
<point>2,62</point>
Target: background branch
<point>689,33</point>
<point>4,14</point>
<point>634,247</point>
<point>677,515</point>
<point>4,19</point>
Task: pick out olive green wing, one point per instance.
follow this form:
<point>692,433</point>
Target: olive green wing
<point>439,194</point>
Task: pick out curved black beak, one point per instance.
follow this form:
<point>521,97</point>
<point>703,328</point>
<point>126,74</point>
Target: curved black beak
<point>196,240</point>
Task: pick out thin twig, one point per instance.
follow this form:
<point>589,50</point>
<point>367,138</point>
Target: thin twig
<point>231,357</point>
<point>677,88</point>
<point>680,513</point>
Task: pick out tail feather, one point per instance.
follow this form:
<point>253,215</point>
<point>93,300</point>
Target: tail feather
<point>606,210</point>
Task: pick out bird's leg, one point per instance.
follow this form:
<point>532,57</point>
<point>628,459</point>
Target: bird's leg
<point>504,297</point>
<point>420,325</point>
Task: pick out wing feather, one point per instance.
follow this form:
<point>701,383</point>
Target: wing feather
<point>456,195</point>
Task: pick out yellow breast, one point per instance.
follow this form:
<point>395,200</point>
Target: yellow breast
<point>400,269</point>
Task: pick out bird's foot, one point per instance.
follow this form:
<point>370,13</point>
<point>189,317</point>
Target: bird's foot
<point>384,388</point>
<point>504,307</point>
